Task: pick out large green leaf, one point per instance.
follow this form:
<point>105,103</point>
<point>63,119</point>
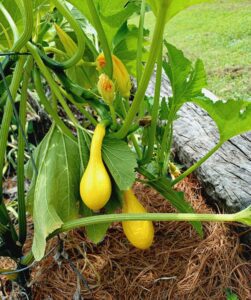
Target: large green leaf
<point>126,46</point>
<point>186,81</point>
<point>56,187</point>
<point>112,13</point>
<point>121,162</point>
<point>232,117</point>
<point>174,6</point>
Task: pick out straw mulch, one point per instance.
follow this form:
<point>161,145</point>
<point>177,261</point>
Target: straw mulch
<point>178,266</point>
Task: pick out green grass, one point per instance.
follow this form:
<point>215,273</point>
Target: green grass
<point>220,34</point>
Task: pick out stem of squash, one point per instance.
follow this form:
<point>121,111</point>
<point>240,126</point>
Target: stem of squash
<point>139,96</point>
<point>197,164</point>
<point>102,37</point>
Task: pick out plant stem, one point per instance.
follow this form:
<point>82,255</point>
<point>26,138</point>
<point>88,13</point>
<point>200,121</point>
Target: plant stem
<point>154,50</point>
<point>79,34</point>
<point>101,219</point>
<point>47,105</point>
<point>109,218</point>
<point>125,106</point>
<point>197,164</point>
<point>82,110</point>
<point>113,115</point>
<point>155,111</point>
<point>53,85</point>
<point>8,113</point>
<point>10,21</point>
<point>4,132</point>
<point>28,26</point>
<point>102,37</point>
<point>140,41</point>
<point>20,155</point>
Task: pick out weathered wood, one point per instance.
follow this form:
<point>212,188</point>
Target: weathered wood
<point>226,176</point>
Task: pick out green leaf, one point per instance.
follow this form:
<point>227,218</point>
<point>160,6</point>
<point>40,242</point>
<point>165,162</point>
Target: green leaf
<point>126,45</point>
<point>186,81</point>
<point>84,142</point>
<point>121,162</point>
<point>230,295</point>
<point>232,117</point>
<point>112,13</point>
<point>163,186</point>
<point>174,6</point>
<point>164,110</point>
<point>56,187</point>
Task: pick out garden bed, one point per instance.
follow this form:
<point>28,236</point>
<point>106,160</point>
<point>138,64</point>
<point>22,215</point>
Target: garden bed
<point>179,265</point>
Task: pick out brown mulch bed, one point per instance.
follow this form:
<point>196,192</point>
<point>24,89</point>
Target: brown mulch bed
<point>179,265</point>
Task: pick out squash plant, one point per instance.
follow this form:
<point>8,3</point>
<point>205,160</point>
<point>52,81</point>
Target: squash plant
<point>84,52</point>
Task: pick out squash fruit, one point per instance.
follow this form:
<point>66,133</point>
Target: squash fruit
<point>139,233</point>
<point>95,185</point>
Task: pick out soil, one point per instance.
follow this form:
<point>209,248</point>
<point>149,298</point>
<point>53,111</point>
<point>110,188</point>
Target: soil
<point>179,265</point>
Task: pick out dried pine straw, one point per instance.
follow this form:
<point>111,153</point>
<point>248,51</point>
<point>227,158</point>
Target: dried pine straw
<point>178,266</point>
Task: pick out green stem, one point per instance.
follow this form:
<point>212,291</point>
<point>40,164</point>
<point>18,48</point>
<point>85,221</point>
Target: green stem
<point>20,154</point>
<point>154,50</point>
<point>6,35</point>
<point>28,26</point>
<point>102,37</point>
<point>10,21</point>
<point>197,164</point>
<point>125,107</point>
<point>53,85</point>
<point>8,113</point>
<point>113,115</point>
<point>79,106</point>
<point>155,111</point>
<point>167,137</point>
<point>48,107</point>
<point>168,150</point>
<point>79,34</point>
<point>102,219</point>
<point>136,145</point>
<point>140,41</point>
<point>27,259</point>
<point>55,51</point>
<point>4,132</point>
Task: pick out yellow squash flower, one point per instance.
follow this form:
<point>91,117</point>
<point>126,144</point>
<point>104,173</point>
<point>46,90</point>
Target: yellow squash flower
<point>120,74</point>
<point>106,88</point>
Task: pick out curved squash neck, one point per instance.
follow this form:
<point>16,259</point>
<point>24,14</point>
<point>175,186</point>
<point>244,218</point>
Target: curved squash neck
<point>97,140</point>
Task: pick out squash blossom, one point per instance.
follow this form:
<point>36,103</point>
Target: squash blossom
<point>106,88</point>
<point>120,74</point>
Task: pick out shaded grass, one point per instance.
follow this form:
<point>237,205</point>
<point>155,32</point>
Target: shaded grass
<point>220,34</point>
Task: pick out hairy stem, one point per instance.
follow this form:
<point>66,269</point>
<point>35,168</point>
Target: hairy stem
<point>79,34</point>
<point>21,149</point>
<point>155,111</point>
<point>48,107</point>
<point>197,164</point>
<point>28,25</point>
<point>139,96</point>
<point>102,37</point>
<point>53,85</point>
<point>140,41</point>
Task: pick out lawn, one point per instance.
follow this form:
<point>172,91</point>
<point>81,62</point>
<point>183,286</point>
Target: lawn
<point>220,34</point>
